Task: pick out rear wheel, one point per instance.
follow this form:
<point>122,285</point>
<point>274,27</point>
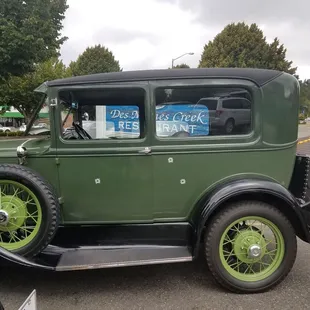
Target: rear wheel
<point>250,247</point>
<point>229,126</point>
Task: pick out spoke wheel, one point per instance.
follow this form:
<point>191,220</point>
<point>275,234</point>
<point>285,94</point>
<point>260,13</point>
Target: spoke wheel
<point>250,246</point>
<point>251,251</point>
<point>29,211</point>
<point>20,215</point>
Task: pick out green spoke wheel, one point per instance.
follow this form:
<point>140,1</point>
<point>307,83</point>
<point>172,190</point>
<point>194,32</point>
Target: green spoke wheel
<point>20,215</point>
<point>250,246</point>
<point>253,250</point>
<point>29,211</point>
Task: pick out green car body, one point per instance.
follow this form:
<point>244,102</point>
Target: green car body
<point>165,187</point>
<point>135,188</point>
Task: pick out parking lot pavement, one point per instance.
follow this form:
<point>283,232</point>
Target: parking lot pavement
<point>304,148</point>
<point>304,130</point>
<point>173,286</point>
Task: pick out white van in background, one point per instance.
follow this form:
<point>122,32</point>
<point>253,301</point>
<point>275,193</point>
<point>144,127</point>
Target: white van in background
<point>228,113</point>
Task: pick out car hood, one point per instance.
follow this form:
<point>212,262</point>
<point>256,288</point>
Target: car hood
<point>34,145</point>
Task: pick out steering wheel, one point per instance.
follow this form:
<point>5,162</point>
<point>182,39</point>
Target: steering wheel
<point>180,134</point>
<point>81,131</point>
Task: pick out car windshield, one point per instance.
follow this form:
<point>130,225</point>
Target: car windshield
<point>39,122</point>
<point>14,124</point>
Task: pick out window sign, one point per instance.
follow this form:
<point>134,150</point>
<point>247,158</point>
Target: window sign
<point>170,119</point>
<point>123,120</point>
<point>192,118</point>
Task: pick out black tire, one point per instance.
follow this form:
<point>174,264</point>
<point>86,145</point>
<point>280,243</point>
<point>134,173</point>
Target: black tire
<point>229,126</point>
<point>48,202</point>
<point>227,216</point>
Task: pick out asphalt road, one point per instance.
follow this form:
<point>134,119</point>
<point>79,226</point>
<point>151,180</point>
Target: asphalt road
<point>172,286</point>
<point>304,130</point>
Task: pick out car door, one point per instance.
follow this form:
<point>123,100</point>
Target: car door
<point>186,166</point>
<point>107,178</point>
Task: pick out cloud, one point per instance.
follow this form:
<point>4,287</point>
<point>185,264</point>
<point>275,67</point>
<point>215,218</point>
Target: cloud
<point>288,20</point>
<point>264,11</point>
<point>147,34</point>
<point>123,36</point>
<point>142,34</point>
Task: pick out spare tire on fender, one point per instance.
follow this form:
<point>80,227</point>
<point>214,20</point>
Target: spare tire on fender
<point>29,211</point>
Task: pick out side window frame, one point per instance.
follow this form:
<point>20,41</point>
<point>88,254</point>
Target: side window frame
<point>251,137</point>
<point>98,143</point>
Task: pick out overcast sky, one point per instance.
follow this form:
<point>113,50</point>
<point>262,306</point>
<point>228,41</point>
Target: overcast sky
<point>147,34</point>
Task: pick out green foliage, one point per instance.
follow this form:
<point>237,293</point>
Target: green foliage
<point>243,46</point>
<point>97,59</point>
<point>304,107</point>
<point>29,33</point>
<point>19,91</point>
<point>11,134</point>
<point>305,94</point>
<point>181,66</point>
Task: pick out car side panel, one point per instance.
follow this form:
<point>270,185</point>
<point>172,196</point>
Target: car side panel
<point>181,179</point>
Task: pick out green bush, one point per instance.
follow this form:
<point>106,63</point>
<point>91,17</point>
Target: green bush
<point>302,117</point>
<point>11,133</point>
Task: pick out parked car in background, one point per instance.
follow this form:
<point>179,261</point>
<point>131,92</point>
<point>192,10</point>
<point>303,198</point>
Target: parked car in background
<point>6,129</point>
<point>37,126</point>
<point>227,113</point>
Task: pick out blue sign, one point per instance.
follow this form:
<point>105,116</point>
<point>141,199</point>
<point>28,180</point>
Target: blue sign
<point>123,119</point>
<point>192,118</point>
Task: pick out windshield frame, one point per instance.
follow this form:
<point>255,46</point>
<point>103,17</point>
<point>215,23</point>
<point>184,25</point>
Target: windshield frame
<point>34,115</point>
<point>43,90</point>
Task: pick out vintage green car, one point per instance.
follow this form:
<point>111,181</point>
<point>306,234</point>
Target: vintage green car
<point>150,167</point>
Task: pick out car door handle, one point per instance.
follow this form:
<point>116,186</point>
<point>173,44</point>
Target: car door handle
<point>146,150</point>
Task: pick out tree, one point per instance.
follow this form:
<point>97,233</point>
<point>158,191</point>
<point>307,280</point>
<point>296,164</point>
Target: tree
<point>97,59</point>
<point>181,66</point>
<point>29,34</point>
<point>18,91</point>
<point>240,45</point>
<point>305,94</point>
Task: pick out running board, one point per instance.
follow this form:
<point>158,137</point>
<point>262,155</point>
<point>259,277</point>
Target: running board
<point>59,259</point>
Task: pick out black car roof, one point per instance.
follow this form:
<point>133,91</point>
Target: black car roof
<point>258,76</point>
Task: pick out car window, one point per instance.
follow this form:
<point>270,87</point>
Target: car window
<point>103,114</point>
<point>211,104</point>
<point>201,111</point>
<point>246,104</point>
<point>232,103</point>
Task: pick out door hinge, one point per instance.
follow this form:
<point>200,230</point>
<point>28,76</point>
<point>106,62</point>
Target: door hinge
<point>57,161</point>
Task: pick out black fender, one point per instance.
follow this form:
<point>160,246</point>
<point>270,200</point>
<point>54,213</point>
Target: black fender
<point>7,256</point>
<point>257,189</point>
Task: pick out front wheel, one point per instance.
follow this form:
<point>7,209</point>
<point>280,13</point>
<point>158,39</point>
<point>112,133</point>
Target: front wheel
<point>250,246</point>
<point>29,211</point>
